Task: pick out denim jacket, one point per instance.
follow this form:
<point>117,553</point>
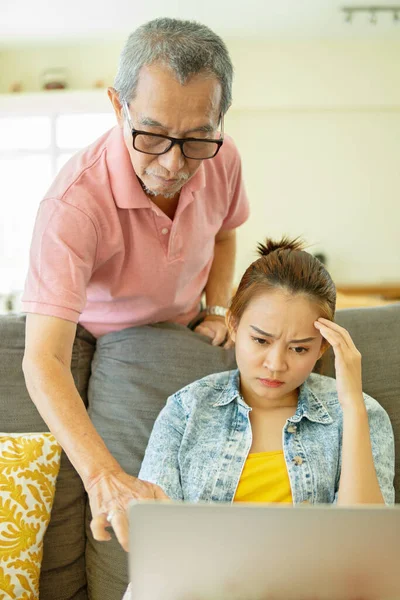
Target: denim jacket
<point>201,439</point>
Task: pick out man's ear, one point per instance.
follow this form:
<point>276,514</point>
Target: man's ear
<point>117,106</point>
<point>231,325</point>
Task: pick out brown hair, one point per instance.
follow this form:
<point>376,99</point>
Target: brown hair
<point>285,266</point>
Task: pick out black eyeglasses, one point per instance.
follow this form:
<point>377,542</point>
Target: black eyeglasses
<point>153,143</point>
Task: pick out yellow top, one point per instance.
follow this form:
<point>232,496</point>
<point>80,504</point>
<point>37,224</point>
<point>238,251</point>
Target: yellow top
<point>264,479</point>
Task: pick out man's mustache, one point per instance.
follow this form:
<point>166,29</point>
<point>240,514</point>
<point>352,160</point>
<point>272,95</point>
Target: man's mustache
<point>178,176</point>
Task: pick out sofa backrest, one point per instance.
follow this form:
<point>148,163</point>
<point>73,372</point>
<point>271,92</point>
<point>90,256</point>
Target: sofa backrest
<point>63,573</point>
<point>376,333</point>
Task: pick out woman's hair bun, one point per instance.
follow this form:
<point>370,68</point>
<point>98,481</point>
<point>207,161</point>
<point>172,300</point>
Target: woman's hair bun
<point>284,244</point>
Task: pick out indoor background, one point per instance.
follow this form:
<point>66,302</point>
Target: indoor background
<point>315,115</point>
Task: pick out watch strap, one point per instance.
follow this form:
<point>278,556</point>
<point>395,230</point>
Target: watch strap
<point>219,311</point>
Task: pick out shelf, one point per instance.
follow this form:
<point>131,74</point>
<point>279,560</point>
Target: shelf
<point>54,101</point>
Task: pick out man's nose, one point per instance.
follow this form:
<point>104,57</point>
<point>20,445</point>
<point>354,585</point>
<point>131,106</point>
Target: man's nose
<point>173,160</point>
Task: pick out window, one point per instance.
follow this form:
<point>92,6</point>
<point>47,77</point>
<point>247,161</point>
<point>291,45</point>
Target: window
<point>32,151</point>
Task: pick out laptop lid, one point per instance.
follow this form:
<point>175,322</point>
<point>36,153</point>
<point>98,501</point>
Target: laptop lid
<point>184,551</point>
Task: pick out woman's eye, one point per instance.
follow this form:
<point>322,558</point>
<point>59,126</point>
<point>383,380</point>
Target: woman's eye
<point>260,341</point>
<point>299,350</point>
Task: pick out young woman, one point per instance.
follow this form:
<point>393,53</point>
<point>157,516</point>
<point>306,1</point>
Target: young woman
<point>273,431</point>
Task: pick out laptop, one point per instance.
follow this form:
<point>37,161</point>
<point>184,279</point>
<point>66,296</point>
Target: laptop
<point>184,551</point>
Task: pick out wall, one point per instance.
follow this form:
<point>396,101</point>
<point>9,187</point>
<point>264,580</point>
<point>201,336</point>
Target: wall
<point>318,127</point>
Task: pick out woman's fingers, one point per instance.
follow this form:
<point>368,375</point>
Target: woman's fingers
<point>340,330</point>
<point>335,339</point>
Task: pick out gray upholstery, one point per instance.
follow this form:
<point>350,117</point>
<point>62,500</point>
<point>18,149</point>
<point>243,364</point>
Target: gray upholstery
<point>133,373</point>
<point>376,333</point>
<point>138,369</point>
<point>63,575</point>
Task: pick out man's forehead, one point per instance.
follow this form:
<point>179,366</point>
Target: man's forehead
<point>159,87</point>
<point>185,123</point>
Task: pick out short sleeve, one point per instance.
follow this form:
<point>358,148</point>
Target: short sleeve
<point>62,259</point>
<point>239,209</point>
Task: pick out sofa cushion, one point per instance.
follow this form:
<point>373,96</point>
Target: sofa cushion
<point>376,333</point>
<point>133,373</point>
<point>29,465</point>
<point>63,575</point>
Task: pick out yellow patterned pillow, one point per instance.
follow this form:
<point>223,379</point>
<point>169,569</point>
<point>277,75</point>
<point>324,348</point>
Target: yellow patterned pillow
<point>29,465</point>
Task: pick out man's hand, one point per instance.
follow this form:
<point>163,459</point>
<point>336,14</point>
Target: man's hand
<point>215,328</point>
<point>110,495</point>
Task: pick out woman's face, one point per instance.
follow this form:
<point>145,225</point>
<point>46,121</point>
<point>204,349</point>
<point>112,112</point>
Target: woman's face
<point>277,345</point>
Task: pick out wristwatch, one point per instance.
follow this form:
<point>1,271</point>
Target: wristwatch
<point>219,311</point>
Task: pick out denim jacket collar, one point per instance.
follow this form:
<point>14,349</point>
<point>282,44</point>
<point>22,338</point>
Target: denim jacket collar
<point>308,405</point>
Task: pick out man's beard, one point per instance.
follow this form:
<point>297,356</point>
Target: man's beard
<point>180,183</point>
<point>153,193</point>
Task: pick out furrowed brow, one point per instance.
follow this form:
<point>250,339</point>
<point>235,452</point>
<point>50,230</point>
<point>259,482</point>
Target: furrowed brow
<point>302,341</point>
<point>148,122</point>
<point>262,332</point>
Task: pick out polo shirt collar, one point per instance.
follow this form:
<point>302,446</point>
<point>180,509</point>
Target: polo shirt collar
<point>126,189</point>
<point>125,185</point>
<point>198,181</point>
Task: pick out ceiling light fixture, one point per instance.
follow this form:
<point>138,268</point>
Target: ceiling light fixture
<point>372,10</point>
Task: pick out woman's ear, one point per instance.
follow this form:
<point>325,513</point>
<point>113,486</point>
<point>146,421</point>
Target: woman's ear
<point>230,322</point>
<point>324,347</point>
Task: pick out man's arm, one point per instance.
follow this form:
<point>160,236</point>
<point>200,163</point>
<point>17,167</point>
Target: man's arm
<point>220,280</point>
<point>219,286</point>
<point>47,370</point>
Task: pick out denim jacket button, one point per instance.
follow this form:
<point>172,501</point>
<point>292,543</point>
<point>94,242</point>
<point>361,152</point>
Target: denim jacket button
<point>298,460</point>
<point>292,429</point>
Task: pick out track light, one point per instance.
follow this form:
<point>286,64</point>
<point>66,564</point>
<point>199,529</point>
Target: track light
<point>349,16</point>
<point>372,10</point>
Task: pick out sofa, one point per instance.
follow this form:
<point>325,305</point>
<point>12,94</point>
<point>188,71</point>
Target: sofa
<point>155,361</point>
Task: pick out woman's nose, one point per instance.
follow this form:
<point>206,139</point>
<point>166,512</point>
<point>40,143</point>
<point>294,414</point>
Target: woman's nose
<point>275,360</point>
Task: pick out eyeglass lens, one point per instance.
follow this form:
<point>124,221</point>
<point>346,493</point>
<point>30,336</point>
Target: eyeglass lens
<point>154,144</point>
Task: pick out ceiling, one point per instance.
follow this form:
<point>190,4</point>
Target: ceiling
<point>51,20</point>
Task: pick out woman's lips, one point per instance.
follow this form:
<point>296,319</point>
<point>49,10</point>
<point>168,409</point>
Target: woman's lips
<point>272,383</point>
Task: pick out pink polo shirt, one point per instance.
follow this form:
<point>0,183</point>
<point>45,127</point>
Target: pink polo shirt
<point>103,254</point>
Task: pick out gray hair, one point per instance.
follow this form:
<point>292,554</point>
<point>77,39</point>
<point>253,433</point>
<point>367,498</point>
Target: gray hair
<point>186,47</point>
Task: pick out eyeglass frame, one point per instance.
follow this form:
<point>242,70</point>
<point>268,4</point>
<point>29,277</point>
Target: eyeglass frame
<point>173,140</point>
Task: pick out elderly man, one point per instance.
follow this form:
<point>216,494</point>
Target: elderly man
<point>133,230</point>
